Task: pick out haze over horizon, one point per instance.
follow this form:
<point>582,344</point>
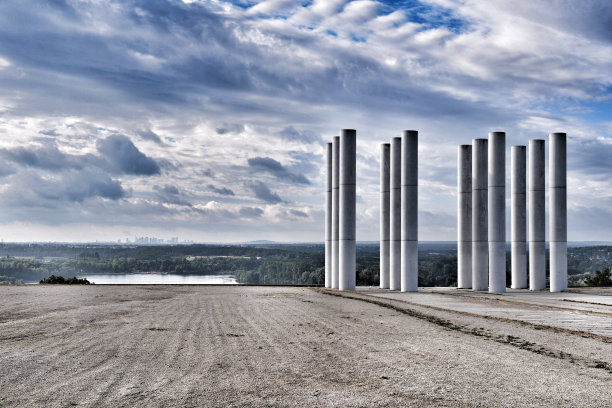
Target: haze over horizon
<point>208,119</point>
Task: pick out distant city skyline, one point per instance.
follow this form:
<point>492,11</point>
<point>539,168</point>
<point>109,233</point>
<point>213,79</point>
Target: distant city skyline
<point>207,120</point>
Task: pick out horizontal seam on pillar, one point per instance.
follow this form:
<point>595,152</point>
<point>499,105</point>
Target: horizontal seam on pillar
<point>550,187</point>
<point>348,184</point>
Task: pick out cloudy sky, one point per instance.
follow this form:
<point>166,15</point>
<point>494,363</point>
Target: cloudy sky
<point>207,120</point>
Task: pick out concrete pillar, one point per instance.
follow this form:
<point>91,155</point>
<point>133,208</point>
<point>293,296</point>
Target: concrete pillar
<point>335,210</point>
<point>348,209</point>
<point>518,216</point>
<point>497,212</point>
<point>385,150</point>
<point>395,214</point>
<point>480,236</point>
<point>558,212</point>
<point>537,212</point>
<point>464,217</point>
<point>409,281</point>
<point>328,215</point>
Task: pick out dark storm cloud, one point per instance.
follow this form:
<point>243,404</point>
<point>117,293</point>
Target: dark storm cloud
<point>148,134</point>
<point>28,189</point>
<point>125,157</point>
<point>220,190</point>
<point>263,192</point>
<point>305,136</point>
<point>251,212</point>
<point>52,133</point>
<point>298,213</point>
<point>207,173</point>
<point>230,128</point>
<point>47,157</point>
<point>592,157</point>
<point>171,195</point>
<point>271,166</point>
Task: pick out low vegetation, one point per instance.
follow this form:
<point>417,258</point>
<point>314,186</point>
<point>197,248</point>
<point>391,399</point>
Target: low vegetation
<point>63,281</point>
<point>601,277</point>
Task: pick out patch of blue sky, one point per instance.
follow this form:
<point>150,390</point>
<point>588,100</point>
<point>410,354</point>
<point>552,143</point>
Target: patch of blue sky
<point>594,112</point>
<point>429,16</point>
<point>246,4</point>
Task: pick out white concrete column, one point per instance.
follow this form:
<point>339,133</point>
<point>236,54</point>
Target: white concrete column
<point>395,236</point>
<point>497,212</point>
<point>385,150</point>
<point>558,212</point>
<point>464,217</point>
<point>537,213</point>
<point>348,209</point>
<point>328,215</point>
<point>518,216</point>
<point>335,211</point>
<point>409,281</point>
<point>480,215</point>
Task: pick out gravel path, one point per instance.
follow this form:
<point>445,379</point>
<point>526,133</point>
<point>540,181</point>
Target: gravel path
<point>273,346</point>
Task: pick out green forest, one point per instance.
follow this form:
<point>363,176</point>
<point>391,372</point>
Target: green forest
<point>269,264</point>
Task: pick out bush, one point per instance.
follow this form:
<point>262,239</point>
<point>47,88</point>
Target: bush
<point>63,281</point>
<point>601,278</point>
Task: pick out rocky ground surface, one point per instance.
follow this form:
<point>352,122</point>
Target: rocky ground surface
<point>176,346</point>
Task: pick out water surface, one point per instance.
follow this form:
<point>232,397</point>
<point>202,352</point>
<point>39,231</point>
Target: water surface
<point>159,279</point>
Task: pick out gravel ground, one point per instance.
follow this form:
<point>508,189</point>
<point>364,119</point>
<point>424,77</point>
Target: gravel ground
<point>175,346</point>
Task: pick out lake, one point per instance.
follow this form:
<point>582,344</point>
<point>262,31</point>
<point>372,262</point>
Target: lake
<point>159,279</point>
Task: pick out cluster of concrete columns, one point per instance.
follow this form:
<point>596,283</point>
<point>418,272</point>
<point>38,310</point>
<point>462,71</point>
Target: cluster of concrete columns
<point>340,211</point>
<point>399,213</point>
<point>482,214</point>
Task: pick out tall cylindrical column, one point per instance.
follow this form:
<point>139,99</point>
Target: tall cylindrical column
<point>497,212</point>
<point>480,235</point>
<point>348,209</point>
<point>464,217</point>
<point>385,150</point>
<point>328,215</point>
<point>537,212</point>
<point>518,216</point>
<point>395,236</point>
<point>558,212</point>
<point>409,281</point>
<point>335,210</point>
